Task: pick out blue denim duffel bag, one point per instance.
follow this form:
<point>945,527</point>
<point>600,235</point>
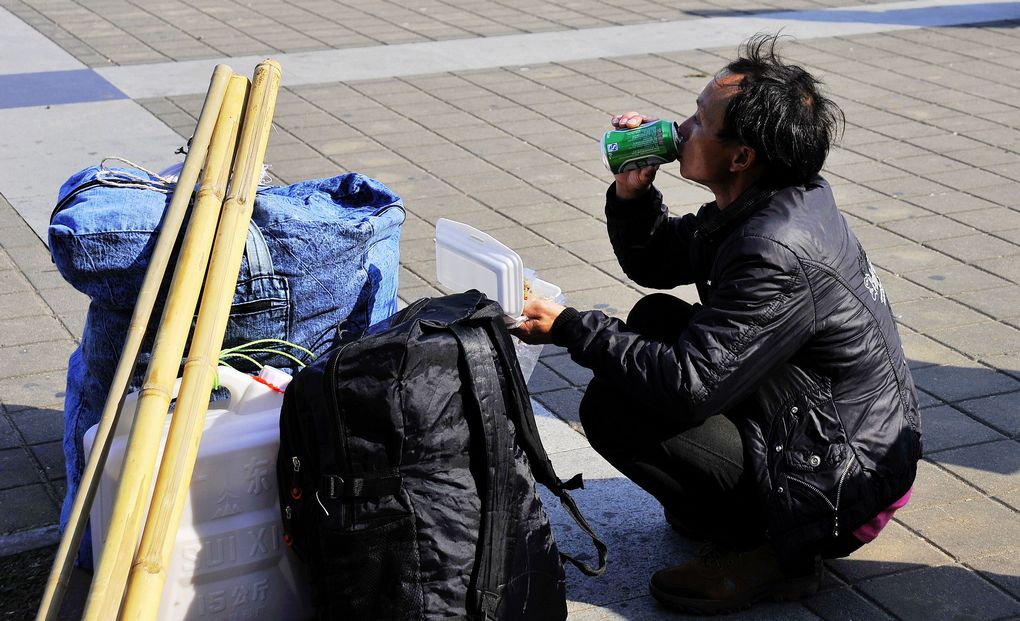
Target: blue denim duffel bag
<point>319,253</point>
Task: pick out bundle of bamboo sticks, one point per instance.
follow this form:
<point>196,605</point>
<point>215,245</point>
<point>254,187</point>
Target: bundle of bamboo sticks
<point>228,149</point>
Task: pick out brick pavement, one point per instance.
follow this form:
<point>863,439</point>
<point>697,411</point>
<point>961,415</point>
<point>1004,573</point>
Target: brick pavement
<point>926,175</point>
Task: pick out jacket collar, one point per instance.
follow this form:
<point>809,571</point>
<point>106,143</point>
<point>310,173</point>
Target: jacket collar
<point>712,219</point>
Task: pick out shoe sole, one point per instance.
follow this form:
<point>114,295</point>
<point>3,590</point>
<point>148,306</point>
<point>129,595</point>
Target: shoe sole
<point>782,592</point>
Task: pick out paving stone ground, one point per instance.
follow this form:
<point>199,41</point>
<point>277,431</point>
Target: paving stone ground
<point>926,174</point>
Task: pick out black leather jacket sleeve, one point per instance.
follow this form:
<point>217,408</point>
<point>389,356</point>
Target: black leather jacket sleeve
<point>759,314</point>
<point>651,247</point>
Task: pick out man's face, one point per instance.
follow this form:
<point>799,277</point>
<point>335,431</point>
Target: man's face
<point>704,157</point>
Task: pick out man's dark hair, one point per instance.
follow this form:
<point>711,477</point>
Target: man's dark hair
<point>780,113</point>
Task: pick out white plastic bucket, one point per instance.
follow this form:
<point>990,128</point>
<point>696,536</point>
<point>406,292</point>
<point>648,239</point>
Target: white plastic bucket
<point>229,561</point>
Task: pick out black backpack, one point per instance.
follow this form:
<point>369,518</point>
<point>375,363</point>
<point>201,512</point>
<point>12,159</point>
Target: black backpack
<point>406,470</point>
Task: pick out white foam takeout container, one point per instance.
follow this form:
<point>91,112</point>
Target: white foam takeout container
<point>467,258</point>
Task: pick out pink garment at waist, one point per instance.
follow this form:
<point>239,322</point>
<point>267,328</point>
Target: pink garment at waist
<point>870,529</point>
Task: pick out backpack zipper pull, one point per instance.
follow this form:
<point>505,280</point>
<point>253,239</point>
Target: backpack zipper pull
<point>296,462</point>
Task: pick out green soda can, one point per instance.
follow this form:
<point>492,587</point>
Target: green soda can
<point>648,144</point>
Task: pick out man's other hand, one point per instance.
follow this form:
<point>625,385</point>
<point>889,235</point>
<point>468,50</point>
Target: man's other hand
<point>633,183</point>
<point>537,328</point>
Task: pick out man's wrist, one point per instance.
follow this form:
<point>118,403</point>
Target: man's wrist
<point>627,195</point>
<point>559,327</point>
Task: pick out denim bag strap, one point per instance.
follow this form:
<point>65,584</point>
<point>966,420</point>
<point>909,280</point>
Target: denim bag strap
<point>261,277</point>
<point>260,262</point>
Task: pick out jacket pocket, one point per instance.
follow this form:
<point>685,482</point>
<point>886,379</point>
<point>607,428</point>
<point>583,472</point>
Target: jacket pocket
<point>372,573</point>
<point>815,481</point>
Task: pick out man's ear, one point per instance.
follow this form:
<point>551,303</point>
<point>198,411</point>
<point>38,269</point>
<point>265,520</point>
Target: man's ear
<point>743,159</point>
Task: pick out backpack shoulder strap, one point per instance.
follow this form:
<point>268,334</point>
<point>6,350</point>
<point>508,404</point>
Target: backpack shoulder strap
<point>495,527</point>
<point>523,417</point>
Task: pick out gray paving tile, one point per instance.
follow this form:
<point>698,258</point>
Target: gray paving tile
<point>993,467</point>
<point>563,403</point>
<point>544,379</point>
<point>965,380</point>
<point>851,194</point>
<point>1001,303</point>
<point>971,180</point>
<point>44,390</point>
<point>36,357</point>
<point>517,237</point>
<point>640,539</point>
<point>13,281</point>
<point>925,400</point>
<point>578,278</point>
<point>899,289</point>
<point>935,314</point>
<point>25,330</point>
<point>1003,570</point>
<point>908,257</point>
<point>599,253</point>
<point>9,437</point>
<point>998,411</point>
<point>889,151</point>
<point>541,258</point>
<point>1009,168</point>
<point>996,160</point>
<point>992,220</point>
<point>962,528</point>
<point>934,487</point>
<point>907,187</point>
<point>974,248</point>
<point>954,278</point>
<point>51,456</point>
<point>844,604</point>
<point>39,425</point>
<point>884,210</point>
<point>896,550</point>
<point>1012,235</point>
<point>26,507</point>
<point>20,305</point>
<point>945,142</point>
<point>949,202</point>
<point>981,340</point>
<point>615,301</point>
<point>922,351</point>
<point>565,367</point>
<point>1006,267</point>
<point>49,279</point>
<point>912,131</point>
<point>927,163</point>
<point>19,468</point>
<point>941,592</point>
<point>945,427</point>
<point>869,170</point>
<point>928,228</point>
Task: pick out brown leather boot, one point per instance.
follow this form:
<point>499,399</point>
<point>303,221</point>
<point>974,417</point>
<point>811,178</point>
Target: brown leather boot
<point>719,581</point>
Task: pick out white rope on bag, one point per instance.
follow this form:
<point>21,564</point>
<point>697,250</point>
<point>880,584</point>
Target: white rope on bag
<point>121,178</point>
<point>160,182</point>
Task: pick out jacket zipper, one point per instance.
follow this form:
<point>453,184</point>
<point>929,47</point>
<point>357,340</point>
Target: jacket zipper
<point>839,493</point>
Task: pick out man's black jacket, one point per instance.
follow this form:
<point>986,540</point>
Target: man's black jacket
<point>794,339</point>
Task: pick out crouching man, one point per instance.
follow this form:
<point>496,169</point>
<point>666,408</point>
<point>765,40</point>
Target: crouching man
<point>777,419</point>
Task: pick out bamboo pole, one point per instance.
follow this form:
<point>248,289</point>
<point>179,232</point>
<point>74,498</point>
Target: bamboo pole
<point>56,586</point>
<point>135,483</point>
<point>149,573</point>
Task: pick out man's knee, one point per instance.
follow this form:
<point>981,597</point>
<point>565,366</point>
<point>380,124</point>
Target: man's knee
<point>596,417</point>
<point>660,316</point>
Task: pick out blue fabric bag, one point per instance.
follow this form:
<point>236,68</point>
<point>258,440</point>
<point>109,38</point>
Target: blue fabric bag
<point>319,253</point>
